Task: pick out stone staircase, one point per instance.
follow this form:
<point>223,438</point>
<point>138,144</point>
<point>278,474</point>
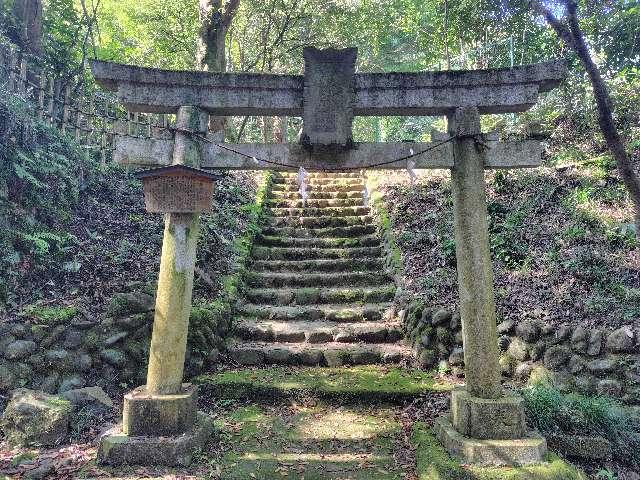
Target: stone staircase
<point>317,292</point>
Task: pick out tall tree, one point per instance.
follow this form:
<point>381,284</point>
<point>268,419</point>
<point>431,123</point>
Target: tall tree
<point>28,14</point>
<point>569,31</point>
<point>215,19</point>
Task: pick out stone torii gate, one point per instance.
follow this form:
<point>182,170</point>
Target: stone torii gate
<point>486,425</point>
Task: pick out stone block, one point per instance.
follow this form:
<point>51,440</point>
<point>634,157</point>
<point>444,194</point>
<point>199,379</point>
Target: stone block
<point>482,418</point>
<point>116,448</point>
<point>158,415</point>
<point>522,451</point>
<point>329,95</point>
<point>35,418</point>
<point>591,447</point>
<point>621,340</point>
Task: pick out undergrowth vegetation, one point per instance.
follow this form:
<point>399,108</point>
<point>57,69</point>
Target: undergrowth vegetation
<point>74,231</point>
<point>41,176</point>
<point>549,411</point>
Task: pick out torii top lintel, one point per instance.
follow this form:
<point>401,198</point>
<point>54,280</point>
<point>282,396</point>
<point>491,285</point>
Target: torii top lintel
<point>423,93</point>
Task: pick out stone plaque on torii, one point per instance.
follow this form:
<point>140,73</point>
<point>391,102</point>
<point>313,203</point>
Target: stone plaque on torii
<point>486,426</point>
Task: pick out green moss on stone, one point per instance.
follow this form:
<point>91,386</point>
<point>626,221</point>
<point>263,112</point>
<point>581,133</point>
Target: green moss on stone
<point>362,383</point>
<point>51,315</point>
<point>434,463</point>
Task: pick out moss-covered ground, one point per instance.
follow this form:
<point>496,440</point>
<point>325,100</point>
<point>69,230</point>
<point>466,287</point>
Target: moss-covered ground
<point>309,442</point>
<point>433,463</point>
<point>352,423</point>
<point>360,384</point>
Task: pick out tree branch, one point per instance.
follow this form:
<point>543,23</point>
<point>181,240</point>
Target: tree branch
<point>561,30</point>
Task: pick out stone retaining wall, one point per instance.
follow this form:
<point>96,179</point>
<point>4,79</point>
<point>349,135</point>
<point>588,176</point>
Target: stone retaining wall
<point>594,361</point>
<point>56,355</point>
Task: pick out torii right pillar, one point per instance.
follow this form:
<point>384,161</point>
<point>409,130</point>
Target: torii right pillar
<point>487,425</point>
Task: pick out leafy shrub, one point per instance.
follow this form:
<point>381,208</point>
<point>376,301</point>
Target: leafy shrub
<point>40,179</point>
<point>506,229</point>
<point>549,411</point>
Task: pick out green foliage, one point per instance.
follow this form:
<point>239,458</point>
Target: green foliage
<point>33,157</point>
<point>549,410</point>
<point>384,220</point>
<point>506,229</point>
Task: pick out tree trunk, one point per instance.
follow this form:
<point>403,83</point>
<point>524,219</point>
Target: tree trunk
<point>28,14</point>
<point>215,19</point>
<point>573,37</point>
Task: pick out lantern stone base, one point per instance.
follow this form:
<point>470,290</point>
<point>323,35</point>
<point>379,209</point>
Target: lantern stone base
<point>529,449</point>
<point>488,419</point>
<point>116,448</point>
<point>159,415</point>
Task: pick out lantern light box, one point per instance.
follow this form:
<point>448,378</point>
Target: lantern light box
<point>176,189</point>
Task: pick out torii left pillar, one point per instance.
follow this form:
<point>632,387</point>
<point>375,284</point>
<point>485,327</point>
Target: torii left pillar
<point>161,424</point>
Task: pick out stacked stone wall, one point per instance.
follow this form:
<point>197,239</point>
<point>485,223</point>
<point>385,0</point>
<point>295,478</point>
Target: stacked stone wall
<point>592,361</point>
<point>111,352</point>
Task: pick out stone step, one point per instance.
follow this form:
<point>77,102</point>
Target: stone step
<point>286,253</point>
<point>317,203</point>
<point>328,354</point>
<point>291,280</point>
<point>320,175</point>
<point>312,296</point>
<point>321,212</point>
<point>338,242</point>
<point>313,195</point>
<point>335,232</point>
<point>320,265</point>
<point>320,222</point>
<point>373,312</point>
<point>331,187</point>
<point>312,181</point>
<point>317,332</point>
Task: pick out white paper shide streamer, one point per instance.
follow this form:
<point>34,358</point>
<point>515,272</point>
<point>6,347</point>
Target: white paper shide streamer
<point>411,165</point>
<point>302,177</point>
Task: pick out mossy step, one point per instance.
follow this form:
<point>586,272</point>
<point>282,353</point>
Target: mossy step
<point>286,253</point>
<point>373,312</point>
<point>313,195</point>
<point>293,242</point>
<point>291,175</point>
<point>317,203</point>
<point>320,212</point>
<point>311,181</point>
<point>328,354</point>
<point>264,441</point>
<point>331,187</point>
<point>320,265</point>
<point>269,279</point>
<point>312,296</point>
<point>362,384</point>
<point>320,222</point>
<point>352,231</point>
<point>319,332</point>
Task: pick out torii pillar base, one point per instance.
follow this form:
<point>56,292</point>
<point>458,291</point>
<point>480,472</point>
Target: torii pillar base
<point>118,448</point>
<point>157,430</point>
<point>489,431</point>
